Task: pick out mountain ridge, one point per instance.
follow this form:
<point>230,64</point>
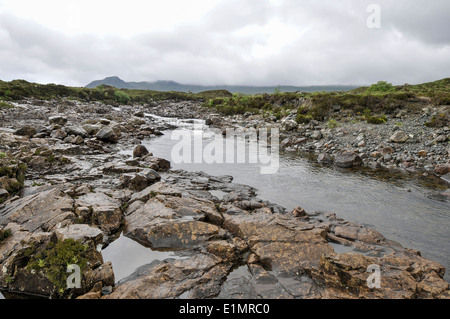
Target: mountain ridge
<point>174,86</point>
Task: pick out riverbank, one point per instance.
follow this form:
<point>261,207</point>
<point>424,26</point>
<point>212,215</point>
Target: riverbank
<point>403,143</point>
<point>78,185</point>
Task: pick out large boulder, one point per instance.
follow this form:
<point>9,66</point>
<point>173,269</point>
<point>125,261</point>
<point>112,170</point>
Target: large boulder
<point>92,129</point>
<point>347,159</point>
<point>140,151</point>
<point>107,134</point>
<point>26,130</point>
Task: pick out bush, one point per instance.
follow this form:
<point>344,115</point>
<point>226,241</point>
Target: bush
<point>303,119</point>
<point>376,120</point>
<point>122,97</point>
<point>332,123</point>
<point>4,233</point>
<point>381,86</point>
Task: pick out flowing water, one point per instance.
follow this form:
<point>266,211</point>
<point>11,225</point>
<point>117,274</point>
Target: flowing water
<point>401,206</point>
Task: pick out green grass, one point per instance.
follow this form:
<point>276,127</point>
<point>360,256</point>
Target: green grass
<point>332,123</point>
<point>20,89</point>
<point>5,105</point>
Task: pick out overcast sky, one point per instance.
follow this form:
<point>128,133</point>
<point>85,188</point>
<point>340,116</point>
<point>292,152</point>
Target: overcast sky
<point>235,42</point>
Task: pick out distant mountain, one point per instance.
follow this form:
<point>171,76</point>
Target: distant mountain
<point>174,86</point>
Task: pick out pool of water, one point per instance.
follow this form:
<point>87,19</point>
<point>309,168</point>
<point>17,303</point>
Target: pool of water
<point>126,255</point>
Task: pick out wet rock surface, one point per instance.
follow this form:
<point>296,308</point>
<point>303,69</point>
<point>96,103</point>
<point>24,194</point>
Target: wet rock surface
<point>80,188</point>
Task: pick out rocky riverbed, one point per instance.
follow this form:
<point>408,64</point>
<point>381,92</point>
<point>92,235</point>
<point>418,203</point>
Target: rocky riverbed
<point>68,191</point>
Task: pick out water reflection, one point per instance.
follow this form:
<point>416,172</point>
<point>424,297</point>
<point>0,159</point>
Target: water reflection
<point>396,204</point>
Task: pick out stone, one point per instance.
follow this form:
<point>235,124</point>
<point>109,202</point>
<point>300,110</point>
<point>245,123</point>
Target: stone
<point>76,131</point>
<point>140,151</point>
<point>422,153</point>
<point>59,134</point>
<point>176,233</point>
<point>92,129</point>
<point>399,137</point>
<point>26,131</point>
<point>387,150</point>
<point>324,159</point>
<point>3,194</point>
<point>347,159</point>
<point>159,188</point>
<point>442,169</point>
<point>107,134</point>
<point>104,210</point>
<point>299,212</point>
<point>316,135</point>
<point>200,276</point>
<point>43,211</point>
<point>141,180</point>
<point>80,232</point>
<point>158,163</point>
<point>290,125</point>
<point>38,162</point>
<point>78,140</point>
<point>376,154</point>
<point>60,120</point>
<point>441,138</point>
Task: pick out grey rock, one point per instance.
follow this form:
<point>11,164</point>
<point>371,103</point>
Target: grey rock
<point>60,120</point>
<point>347,159</point>
<point>26,131</point>
<point>324,159</point>
<point>75,130</point>
<point>399,137</point>
<point>80,232</point>
<point>316,135</point>
<point>107,134</point>
<point>140,151</point>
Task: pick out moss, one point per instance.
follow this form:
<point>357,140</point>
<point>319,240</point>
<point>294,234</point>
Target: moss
<point>4,233</point>
<point>5,105</point>
<point>438,121</point>
<point>303,119</point>
<point>54,259</point>
<point>332,123</point>
<point>376,120</point>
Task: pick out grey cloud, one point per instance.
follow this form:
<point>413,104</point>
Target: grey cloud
<point>336,48</point>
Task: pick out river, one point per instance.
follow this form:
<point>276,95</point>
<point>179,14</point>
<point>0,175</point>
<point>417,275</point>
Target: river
<point>401,206</point>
